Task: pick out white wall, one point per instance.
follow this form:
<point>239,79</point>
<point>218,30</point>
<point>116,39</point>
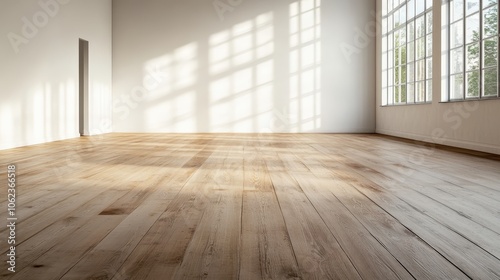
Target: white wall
<point>39,71</point>
<point>471,125</point>
<point>184,66</point>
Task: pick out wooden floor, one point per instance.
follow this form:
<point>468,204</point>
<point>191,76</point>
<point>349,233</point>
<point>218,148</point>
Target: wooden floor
<point>248,206</point>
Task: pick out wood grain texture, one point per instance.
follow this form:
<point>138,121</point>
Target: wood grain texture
<point>318,253</point>
<point>253,206</point>
<point>266,251</point>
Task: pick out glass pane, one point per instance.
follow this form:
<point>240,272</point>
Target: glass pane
<point>410,93</point>
<point>457,34</point>
<point>420,6</point>
<point>396,40</point>
<point>420,47</point>
<point>420,70</point>
<point>457,87</point>
<point>384,7</point>
<point>411,30</point>
<point>384,78</point>
<point>429,22</point>
<point>384,96</point>
<point>457,61</point>
<point>397,75</point>
<point>396,19</point>
<point>420,92</point>
<point>403,55</point>
<point>411,9</point>
<point>411,51</point>
<point>384,44</point>
<point>428,47</point>
<point>384,26</point>
<point>428,68</point>
<point>390,96</point>
<point>471,6</point>
<point>396,94</point>
<point>429,4</point>
<point>403,74</point>
<point>472,57</point>
<point>402,36</point>
<point>402,14</point>
<point>490,22</point>
<point>390,41</point>
<point>457,9</point>
<point>490,84</point>
<point>390,23</point>
<point>472,29</point>
<point>429,91</point>
<point>397,58</point>
<point>403,94</point>
<point>490,52</point>
<point>411,72</point>
<point>390,57</point>
<point>472,84</point>
<point>420,26</point>
<point>390,80</point>
<point>384,61</point>
<point>486,3</point>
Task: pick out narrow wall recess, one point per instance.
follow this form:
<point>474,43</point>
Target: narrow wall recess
<point>83,81</point>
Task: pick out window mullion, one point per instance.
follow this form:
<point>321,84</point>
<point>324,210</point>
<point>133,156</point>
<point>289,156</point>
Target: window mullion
<point>464,43</point>
<point>415,58</point>
<point>498,48</point>
<point>425,56</point>
<point>481,53</point>
<point>449,50</point>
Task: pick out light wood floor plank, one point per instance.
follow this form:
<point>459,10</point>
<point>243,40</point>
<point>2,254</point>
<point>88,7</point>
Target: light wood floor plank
<point>47,239</point>
<point>107,257</point>
<point>160,252</point>
<point>369,256</point>
<point>266,251</point>
<point>214,249</point>
<point>475,221</point>
<point>318,253</point>
<point>467,256</point>
<point>253,206</point>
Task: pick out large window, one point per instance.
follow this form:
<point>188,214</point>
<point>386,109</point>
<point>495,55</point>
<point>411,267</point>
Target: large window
<point>406,51</point>
<point>473,49</point>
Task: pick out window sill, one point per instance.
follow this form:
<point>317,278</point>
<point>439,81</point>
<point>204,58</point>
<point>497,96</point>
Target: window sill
<point>406,104</point>
<point>471,99</point>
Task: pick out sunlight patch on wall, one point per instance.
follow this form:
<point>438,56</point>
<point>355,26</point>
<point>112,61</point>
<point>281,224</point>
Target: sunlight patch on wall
<point>305,65</point>
<point>38,128</point>
<point>71,116</point>
<point>66,98</point>
<point>177,114</point>
<point>48,111</point>
<point>100,109</point>
<point>7,121</point>
<point>172,72</point>
<point>170,82</point>
<point>242,70</point>
<point>62,110</point>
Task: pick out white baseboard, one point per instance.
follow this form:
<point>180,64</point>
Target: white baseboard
<point>446,141</point>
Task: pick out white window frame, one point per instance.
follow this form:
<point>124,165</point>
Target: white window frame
<point>390,9</point>
<point>448,74</point>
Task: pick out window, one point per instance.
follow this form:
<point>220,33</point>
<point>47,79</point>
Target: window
<point>406,51</point>
<point>473,49</point>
